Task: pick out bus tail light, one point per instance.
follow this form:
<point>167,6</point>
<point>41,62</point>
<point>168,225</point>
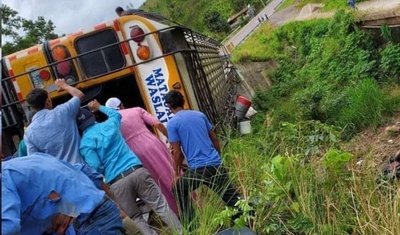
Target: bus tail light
<point>44,74</point>
<point>59,53</point>
<point>64,68</point>
<point>143,52</point>
<point>137,34</point>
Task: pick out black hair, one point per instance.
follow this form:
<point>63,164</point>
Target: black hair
<point>119,9</point>
<point>36,98</point>
<point>174,99</point>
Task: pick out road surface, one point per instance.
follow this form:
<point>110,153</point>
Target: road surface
<point>246,30</point>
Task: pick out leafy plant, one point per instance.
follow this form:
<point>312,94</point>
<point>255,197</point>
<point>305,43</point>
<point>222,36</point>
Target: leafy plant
<point>390,60</point>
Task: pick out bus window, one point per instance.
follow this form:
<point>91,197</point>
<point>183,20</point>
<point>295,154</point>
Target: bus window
<point>102,61</point>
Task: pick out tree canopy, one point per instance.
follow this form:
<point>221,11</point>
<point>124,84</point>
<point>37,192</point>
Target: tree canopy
<point>23,33</point>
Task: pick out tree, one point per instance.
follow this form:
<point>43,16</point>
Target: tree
<point>35,32</point>
<point>215,23</point>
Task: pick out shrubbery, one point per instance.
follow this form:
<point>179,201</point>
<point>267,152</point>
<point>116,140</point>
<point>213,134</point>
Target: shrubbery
<point>328,72</point>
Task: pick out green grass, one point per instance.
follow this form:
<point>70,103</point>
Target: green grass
<point>257,47</point>
<point>293,159</point>
<point>306,196</point>
<point>329,5</point>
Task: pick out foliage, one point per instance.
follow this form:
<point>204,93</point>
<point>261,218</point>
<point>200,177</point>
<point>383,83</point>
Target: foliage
<point>335,161</point>
<point>390,61</point>
<point>295,193</point>
<point>192,13</point>
<point>215,23</point>
<point>386,32</point>
<point>327,72</point>
<point>332,82</point>
<point>35,32</point>
<point>363,106</point>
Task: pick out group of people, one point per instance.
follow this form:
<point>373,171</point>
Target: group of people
<point>84,177</point>
<point>263,18</point>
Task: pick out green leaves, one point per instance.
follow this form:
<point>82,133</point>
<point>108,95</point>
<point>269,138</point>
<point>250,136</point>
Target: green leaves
<point>35,31</point>
<point>215,23</point>
<point>336,160</point>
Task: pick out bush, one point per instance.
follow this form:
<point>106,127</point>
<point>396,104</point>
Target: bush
<point>390,61</point>
<point>364,107</point>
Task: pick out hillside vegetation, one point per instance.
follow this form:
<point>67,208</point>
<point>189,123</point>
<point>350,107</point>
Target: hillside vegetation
<point>192,13</point>
<point>333,81</point>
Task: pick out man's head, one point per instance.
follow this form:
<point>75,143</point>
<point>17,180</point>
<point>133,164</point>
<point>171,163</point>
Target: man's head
<point>84,119</point>
<point>114,103</point>
<point>119,10</point>
<point>174,99</point>
<point>38,99</point>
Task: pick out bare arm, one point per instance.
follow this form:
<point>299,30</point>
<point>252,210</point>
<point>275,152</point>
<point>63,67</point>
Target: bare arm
<point>161,128</point>
<point>177,157</point>
<point>214,140</point>
<point>63,86</point>
<point>110,195</point>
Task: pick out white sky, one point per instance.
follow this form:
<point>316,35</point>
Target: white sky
<point>70,15</point>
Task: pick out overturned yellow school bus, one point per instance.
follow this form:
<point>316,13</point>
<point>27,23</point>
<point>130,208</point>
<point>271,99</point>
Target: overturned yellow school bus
<point>135,58</point>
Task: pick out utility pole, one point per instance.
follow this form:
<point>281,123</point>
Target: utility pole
<point>262,3</point>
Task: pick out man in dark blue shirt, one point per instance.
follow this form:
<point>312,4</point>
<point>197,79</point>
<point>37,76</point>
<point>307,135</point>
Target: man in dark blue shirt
<point>192,131</point>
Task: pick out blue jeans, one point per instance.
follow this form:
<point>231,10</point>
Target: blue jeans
<point>105,220</point>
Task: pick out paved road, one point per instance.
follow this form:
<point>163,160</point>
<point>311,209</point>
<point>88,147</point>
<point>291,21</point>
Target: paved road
<point>246,30</point>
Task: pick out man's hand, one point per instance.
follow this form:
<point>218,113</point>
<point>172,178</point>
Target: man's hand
<point>61,84</point>
<point>59,224</point>
<point>94,105</point>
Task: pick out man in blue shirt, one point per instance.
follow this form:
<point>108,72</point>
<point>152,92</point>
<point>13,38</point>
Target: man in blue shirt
<point>104,148</point>
<point>192,131</point>
<point>54,131</point>
<point>43,194</point>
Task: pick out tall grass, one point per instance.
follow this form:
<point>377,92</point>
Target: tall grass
<point>327,193</point>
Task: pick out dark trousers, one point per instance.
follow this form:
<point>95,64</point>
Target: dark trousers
<point>214,177</point>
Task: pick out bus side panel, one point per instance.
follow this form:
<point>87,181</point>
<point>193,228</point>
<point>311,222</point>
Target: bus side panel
<point>30,64</point>
<point>156,77</point>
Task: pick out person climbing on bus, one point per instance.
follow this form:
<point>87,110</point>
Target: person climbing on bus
<point>54,131</point>
<point>104,148</point>
<point>43,195</point>
<point>151,151</point>
<point>192,131</point>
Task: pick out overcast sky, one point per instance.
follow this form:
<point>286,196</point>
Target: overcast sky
<point>70,15</point>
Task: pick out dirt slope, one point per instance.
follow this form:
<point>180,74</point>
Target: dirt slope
<point>379,144</point>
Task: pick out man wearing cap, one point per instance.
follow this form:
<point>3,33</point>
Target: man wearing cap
<point>54,131</point>
<point>41,194</point>
<point>151,151</point>
<point>192,131</point>
<point>104,149</point>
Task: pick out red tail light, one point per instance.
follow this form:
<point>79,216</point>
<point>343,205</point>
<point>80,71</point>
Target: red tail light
<point>137,34</point>
<point>44,74</point>
<point>64,68</point>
